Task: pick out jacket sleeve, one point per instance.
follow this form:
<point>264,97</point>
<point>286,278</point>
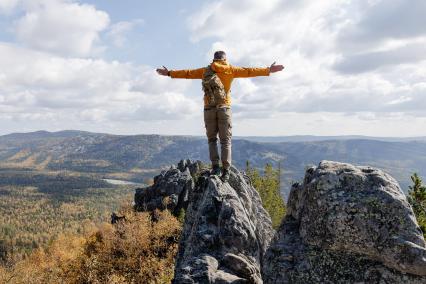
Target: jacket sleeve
<point>245,72</point>
<point>188,74</point>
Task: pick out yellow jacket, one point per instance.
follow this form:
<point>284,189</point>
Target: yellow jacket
<point>225,72</point>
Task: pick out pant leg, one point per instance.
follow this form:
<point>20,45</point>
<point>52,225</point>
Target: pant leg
<point>225,134</point>
<point>210,121</point>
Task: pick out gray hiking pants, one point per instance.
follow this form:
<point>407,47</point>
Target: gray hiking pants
<point>219,121</point>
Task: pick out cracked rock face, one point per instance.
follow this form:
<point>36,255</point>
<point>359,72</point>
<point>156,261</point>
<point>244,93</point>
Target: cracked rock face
<point>226,232</point>
<point>170,189</point>
<point>347,224</point>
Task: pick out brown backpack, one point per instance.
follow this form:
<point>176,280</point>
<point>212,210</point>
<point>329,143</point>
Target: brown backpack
<point>213,88</point>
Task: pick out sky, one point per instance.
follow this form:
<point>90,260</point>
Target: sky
<point>351,67</point>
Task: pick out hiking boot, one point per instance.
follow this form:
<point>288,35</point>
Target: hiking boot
<point>215,170</point>
<point>225,175</point>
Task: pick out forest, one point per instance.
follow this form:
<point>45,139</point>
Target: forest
<point>35,208</point>
<point>64,238</point>
<point>60,236</point>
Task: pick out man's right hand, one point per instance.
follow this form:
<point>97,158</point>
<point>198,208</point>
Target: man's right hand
<point>163,71</point>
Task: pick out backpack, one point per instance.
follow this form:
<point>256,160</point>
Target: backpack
<point>213,88</point>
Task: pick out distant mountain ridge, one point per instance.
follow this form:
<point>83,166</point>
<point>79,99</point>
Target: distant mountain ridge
<point>131,157</point>
<point>273,139</point>
<point>314,138</point>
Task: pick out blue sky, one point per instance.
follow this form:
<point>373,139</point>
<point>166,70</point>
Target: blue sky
<point>352,67</point>
<point>161,36</point>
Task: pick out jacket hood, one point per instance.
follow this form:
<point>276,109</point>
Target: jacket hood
<point>220,66</point>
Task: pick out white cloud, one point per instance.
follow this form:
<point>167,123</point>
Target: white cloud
<point>380,73</point>
<point>330,123</point>
<point>86,89</point>
<point>93,115</point>
<point>118,31</point>
<point>7,6</point>
<point>363,62</point>
<point>352,67</point>
<point>382,20</point>
<point>165,106</point>
<point>62,27</point>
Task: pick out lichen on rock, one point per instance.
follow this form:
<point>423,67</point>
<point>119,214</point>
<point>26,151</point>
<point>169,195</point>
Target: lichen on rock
<point>347,224</point>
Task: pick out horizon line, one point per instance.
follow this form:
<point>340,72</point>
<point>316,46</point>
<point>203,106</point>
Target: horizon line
<point>235,136</point>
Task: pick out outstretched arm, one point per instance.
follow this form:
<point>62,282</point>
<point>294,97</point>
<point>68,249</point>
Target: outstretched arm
<point>183,74</point>
<point>241,72</point>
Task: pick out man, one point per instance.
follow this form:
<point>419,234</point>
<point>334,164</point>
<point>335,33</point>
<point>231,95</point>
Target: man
<point>218,119</point>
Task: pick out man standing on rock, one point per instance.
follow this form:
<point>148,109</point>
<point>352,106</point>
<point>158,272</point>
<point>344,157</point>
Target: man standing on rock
<point>216,80</point>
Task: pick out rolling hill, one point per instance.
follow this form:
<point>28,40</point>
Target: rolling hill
<point>138,157</point>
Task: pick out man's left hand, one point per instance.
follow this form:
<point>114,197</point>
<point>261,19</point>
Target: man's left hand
<point>275,68</point>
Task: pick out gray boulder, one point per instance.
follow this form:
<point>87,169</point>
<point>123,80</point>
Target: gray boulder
<point>346,224</point>
<point>226,232</point>
<point>170,189</point>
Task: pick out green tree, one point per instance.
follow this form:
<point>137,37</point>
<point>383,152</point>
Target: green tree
<point>417,199</point>
<point>268,186</point>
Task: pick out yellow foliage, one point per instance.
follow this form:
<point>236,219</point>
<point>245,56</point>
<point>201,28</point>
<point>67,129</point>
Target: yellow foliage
<point>31,218</point>
<point>137,250</point>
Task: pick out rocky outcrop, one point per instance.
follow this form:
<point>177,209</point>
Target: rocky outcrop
<point>170,189</point>
<point>226,232</point>
<point>346,224</point>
